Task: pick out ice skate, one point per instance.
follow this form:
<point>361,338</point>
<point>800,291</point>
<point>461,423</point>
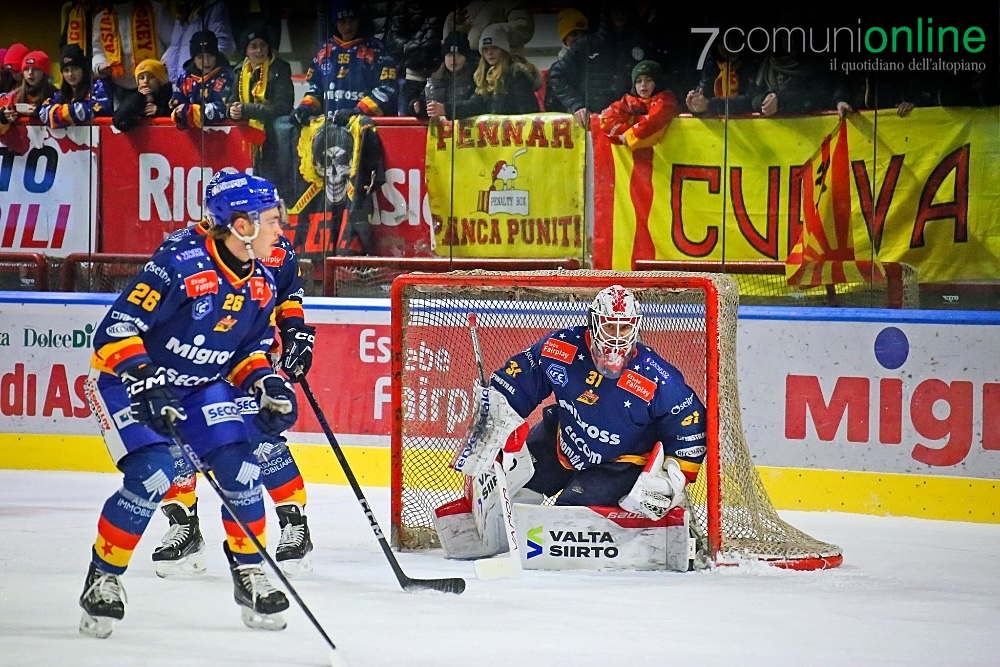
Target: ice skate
<point>293,552</point>
<point>182,552</point>
<point>260,603</point>
<point>103,602</point>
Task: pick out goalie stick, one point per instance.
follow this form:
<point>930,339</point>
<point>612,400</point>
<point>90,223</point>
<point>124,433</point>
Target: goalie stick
<point>454,585</point>
<point>497,568</point>
<point>336,658</point>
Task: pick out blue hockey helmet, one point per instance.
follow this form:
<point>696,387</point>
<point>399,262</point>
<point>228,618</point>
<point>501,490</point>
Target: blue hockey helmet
<point>231,192</point>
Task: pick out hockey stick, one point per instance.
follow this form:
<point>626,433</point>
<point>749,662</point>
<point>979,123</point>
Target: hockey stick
<point>446,585</point>
<point>336,658</point>
<point>496,568</point>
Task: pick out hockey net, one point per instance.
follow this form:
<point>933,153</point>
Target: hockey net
<point>689,318</point>
<point>373,276</point>
<point>764,284</point>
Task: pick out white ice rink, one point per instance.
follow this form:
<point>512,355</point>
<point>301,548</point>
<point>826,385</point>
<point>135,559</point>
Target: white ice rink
<point>910,592</point>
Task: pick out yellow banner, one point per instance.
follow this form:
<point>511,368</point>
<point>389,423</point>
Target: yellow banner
<point>507,186</point>
<point>925,189</point>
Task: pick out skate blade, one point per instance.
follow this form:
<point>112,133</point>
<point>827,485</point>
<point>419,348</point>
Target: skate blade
<point>296,567</point>
<point>190,566</point>
<point>96,626</point>
<point>256,621</point>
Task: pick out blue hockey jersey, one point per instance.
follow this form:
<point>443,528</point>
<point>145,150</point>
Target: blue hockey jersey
<point>187,312</point>
<point>359,74</point>
<point>600,419</point>
<point>283,264</point>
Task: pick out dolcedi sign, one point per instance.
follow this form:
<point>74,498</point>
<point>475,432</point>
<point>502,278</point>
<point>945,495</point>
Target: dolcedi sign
<point>49,338</point>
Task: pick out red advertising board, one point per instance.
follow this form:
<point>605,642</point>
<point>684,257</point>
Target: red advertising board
<point>402,218</point>
<point>152,179</point>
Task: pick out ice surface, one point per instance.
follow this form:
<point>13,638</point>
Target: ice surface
<point>910,592</point>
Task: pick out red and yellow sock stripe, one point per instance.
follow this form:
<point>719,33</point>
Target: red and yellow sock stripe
<point>113,547</point>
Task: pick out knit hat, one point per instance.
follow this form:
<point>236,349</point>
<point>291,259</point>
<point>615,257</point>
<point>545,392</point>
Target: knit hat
<point>204,41</point>
<point>344,9</point>
<point>37,59</point>
<point>255,31</point>
<point>14,56</point>
<point>650,68</point>
<point>494,35</point>
<point>456,42</point>
<point>154,67</point>
<point>72,56</point>
<point>569,20</point>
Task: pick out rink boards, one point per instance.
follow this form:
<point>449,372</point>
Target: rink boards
<point>869,411</point>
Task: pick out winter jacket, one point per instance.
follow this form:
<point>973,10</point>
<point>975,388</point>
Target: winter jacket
<point>133,108</point>
<point>597,70</point>
<point>279,95</point>
<point>516,95</point>
<point>638,122</point>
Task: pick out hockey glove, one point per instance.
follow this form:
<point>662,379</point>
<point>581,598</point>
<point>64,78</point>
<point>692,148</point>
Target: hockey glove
<point>659,489</point>
<point>297,350</point>
<point>276,399</point>
<point>488,433</point>
<point>151,401</point>
<point>301,115</point>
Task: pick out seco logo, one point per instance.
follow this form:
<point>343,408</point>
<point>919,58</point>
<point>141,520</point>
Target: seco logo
<point>50,339</point>
<point>937,409</point>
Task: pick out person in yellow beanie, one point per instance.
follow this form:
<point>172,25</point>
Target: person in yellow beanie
<point>151,99</point>
<point>572,25</point>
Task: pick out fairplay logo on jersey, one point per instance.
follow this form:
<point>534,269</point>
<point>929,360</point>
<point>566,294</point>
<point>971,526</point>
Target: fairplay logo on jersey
<point>276,259</point>
<point>558,349</point>
<point>260,290</point>
<point>200,284</point>
<point>636,384</point>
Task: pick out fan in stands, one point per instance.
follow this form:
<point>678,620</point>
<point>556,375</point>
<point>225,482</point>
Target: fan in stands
<point>625,429</point>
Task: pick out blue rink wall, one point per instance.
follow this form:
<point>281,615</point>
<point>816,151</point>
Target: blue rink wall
<point>888,412</point>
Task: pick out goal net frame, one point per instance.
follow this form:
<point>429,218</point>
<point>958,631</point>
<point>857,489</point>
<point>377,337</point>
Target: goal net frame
<point>736,518</point>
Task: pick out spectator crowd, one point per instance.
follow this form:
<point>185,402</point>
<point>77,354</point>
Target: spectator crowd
<point>623,68</point>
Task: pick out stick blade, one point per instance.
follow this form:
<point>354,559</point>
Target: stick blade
<point>501,567</point>
<point>337,659</point>
<point>453,585</point>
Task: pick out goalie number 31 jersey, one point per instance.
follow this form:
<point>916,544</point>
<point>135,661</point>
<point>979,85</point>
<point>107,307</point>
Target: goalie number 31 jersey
<point>600,419</point>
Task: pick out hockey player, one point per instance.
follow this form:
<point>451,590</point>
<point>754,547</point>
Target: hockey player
<point>182,550</point>
<point>625,429</point>
<point>191,326</point>
<point>353,74</point>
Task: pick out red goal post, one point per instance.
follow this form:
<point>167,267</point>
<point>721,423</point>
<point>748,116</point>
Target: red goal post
<point>372,276</point>
<point>763,283</point>
<point>689,318</point>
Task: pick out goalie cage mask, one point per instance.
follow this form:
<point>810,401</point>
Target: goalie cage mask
<point>614,329</point>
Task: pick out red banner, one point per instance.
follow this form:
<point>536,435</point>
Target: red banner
<point>402,219</point>
<point>152,179</point>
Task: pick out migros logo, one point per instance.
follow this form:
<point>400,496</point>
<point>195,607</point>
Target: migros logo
<point>939,409</point>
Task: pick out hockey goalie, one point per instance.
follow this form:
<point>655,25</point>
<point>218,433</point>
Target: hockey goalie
<point>616,449</point>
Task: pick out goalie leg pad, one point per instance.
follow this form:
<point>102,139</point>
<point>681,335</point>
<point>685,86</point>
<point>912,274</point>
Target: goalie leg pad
<point>460,538</point>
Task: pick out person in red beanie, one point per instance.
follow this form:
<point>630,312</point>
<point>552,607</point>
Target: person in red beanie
<point>12,64</point>
<point>36,87</point>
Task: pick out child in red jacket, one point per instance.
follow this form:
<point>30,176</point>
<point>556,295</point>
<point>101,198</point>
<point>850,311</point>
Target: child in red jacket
<point>640,119</point>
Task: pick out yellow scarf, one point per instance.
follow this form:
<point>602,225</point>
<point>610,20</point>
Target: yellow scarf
<point>257,94</point>
<point>144,39</point>
<point>727,84</point>
<point>75,24</point>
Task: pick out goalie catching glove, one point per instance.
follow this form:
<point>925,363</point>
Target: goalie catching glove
<point>659,489</point>
<point>276,400</point>
<point>488,433</point>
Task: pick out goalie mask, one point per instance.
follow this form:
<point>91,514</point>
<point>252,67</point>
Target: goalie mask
<point>614,329</point>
